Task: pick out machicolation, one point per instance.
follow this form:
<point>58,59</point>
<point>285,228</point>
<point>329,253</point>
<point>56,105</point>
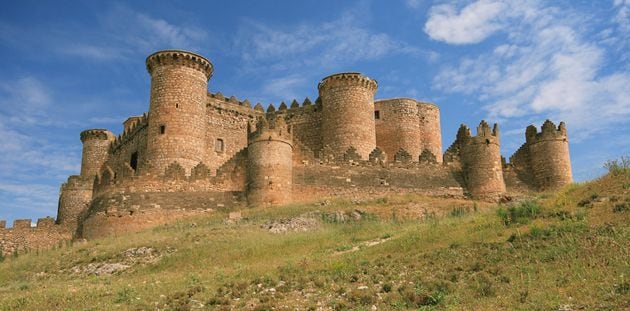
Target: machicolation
<point>195,152</point>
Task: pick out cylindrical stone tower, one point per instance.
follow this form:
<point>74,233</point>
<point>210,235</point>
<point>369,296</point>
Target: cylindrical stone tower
<point>481,162</point>
<point>95,148</point>
<point>549,155</point>
<point>430,130</point>
<point>348,113</point>
<point>177,110</point>
<point>397,126</point>
<point>74,200</point>
<point>269,164</point>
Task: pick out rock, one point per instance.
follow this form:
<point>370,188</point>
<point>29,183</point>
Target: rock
<point>306,222</point>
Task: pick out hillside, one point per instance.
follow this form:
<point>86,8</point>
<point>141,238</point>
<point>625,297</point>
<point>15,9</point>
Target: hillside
<point>557,251</point>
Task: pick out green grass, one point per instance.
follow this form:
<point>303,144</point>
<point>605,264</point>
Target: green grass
<point>539,254</point>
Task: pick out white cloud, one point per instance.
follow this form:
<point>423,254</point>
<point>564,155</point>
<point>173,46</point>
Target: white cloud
<point>471,24</point>
<point>545,67</point>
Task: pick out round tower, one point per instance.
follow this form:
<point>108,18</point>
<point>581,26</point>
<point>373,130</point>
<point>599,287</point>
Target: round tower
<point>430,130</point>
<point>75,197</point>
<point>269,164</point>
<point>177,111</point>
<point>549,155</point>
<point>95,149</point>
<point>397,126</point>
<point>348,113</point>
<point>481,162</point>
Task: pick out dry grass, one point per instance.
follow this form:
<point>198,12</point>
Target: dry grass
<point>437,254</point>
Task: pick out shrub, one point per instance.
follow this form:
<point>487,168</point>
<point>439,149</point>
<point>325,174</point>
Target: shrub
<point>519,214</point>
<point>618,166</point>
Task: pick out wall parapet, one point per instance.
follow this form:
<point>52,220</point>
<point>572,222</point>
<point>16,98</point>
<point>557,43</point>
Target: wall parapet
<point>27,224</point>
<point>140,123</point>
<point>179,58</point>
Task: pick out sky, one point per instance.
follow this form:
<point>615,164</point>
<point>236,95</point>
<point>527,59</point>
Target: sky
<point>66,66</point>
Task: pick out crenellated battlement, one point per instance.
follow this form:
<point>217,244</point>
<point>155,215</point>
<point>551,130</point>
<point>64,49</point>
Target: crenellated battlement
<point>549,131</point>
<point>268,129</point>
<point>347,79</point>
<point>485,135</point>
<point>96,134</point>
<point>132,126</point>
<point>27,224</point>
<point>179,58</point>
<point>77,182</point>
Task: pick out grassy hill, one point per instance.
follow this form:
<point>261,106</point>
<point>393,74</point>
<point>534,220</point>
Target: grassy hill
<point>558,251</point>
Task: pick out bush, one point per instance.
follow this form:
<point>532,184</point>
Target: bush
<point>618,166</point>
<point>519,214</point>
<point>459,211</point>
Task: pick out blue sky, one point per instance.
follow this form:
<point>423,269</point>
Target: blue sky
<point>68,66</point>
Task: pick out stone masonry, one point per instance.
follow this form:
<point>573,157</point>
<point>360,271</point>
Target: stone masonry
<point>196,152</point>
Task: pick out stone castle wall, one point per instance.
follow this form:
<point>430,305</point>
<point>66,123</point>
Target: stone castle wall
<point>22,237</point>
<point>226,134</point>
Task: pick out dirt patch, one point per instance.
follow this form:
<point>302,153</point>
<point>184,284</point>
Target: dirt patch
<point>302,223</point>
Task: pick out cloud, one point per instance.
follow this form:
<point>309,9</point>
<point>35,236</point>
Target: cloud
<point>472,24</point>
<point>286,87</point>
<point>545,67</point>
<point>124,33</point>
<point>341,41</point>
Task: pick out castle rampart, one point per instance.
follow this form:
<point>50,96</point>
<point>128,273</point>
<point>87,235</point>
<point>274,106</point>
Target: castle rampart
<point>348,113</point>
<point>24,237</point>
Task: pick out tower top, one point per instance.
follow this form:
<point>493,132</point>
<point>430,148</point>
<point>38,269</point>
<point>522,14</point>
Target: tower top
<point>181,58</point>
<point>347,78</point>
<point>93,134</point>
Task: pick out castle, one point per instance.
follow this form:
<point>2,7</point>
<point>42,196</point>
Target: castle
<point>195,152</point>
